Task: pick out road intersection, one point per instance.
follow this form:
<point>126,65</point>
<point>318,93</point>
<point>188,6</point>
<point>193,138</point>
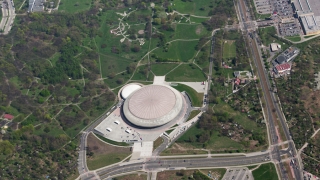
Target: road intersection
<point>8,12</point>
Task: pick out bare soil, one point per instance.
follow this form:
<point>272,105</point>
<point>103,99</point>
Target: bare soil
<point>174,175</point>
<point>99,147</point>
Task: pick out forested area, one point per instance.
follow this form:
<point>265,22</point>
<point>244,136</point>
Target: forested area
<point>49,83</point>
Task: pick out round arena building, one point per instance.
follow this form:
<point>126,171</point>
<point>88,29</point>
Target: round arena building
<point>153,105</point>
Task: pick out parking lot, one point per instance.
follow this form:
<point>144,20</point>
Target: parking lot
<point>289,29</point>
<point>263,6</point>
<point>238,174</point>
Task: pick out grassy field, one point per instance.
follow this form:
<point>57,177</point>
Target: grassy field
<point>132,177</point>
<point>190,31</point>
<point>186,73</point>
<point>229,49</point>
<point>193,114</point>
<point>178,50</point>
<point>192,7</point>
<point>73,6</point>
<point>113,64</point>
<point>196,98</point>
<point>215,173</point>
<point>157,143</point>
<point>198,20</point>
<point>118,80</point>
<point>142,74</point>
<point>104,154</point>
<point>294,38</point>
<point>162,69</point>
<point>265,172</point>
<point>266,34</point>
<point>239,117</point>
<point>216,141</point>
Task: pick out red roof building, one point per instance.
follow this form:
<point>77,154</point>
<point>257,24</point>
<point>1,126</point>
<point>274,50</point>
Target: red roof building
<point>8,116</point>
<point>281,68</point>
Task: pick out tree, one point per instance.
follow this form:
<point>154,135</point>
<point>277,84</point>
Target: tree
<point>6,147</point>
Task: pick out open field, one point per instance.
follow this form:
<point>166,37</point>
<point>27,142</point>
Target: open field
<point>186,73</point>
<point>215,173</point>
<point>193,114</point>
<point>182,175</point>
<point>265,172</point>
<point>216,142</point>
<point>229,49</point>
<point>132,177</point>
<point>294,38</point>
<point>268,36</point>
<point>143,74</point>
<point>196,98</point>
<point>157,143</point>
<point>113,64</point>
<point>73,6</point>
<point>190,31</point>
<point>162,69</point>
<point>178,50</point>
<point>104,154</point>
<point>192,7</point>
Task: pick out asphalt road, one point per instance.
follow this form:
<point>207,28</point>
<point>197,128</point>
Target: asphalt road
<point>174,164</point>
<point>7,22</point>
<point>273,110</point>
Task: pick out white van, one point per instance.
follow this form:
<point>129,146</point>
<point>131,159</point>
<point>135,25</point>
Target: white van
<point>117,122</point>
<point>109,129</point>
<point>128,131</point>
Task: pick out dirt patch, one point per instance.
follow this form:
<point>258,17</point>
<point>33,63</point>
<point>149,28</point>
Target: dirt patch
<point>177,149</point>
<point>132,177</point>
<point>199,30</point>
<point>99,147</point>
<point>141,31</point>
<point>174,175</point>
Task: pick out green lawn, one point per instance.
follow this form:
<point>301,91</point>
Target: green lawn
<point>190,31</point>
<point>102,160</point>
<point>216,142</point>
<point>118,80</point>
<point>294,38</point>
<point>193,7</point>
<point>265,172</point>
<point>112,63</point>
<point>73,6</point>
<point>229,49</point>
<point>162,69</point>
<point>239,117</point>
<point>178,50</point>
<point>196,98</point>
<point>197,20</point>
<point>193,114</point>
<point>263,16</point>
<point>267,35</point>
<point>186,73</point>
<point>142,74</point>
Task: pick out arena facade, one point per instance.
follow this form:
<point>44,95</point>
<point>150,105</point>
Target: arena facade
<point>144,112</point>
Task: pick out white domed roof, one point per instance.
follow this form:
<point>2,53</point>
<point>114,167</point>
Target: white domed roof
<point>153,106</point>
<point>129,89</point>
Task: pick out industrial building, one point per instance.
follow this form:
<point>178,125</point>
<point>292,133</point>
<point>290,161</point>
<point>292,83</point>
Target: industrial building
<point>308,12</point>
<point>282,68</point>
<point>287,55</point>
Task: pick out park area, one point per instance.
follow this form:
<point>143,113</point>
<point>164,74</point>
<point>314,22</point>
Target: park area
<point>73,6</point>
<point>101,154</point>
<point>265,172</point>
<point>229,49</point>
